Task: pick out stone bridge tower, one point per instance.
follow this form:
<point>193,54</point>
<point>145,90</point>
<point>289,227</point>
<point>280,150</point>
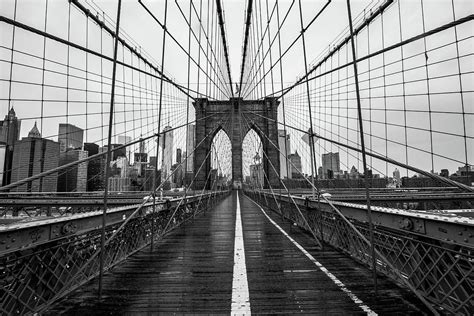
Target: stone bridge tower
<point>236,117</point>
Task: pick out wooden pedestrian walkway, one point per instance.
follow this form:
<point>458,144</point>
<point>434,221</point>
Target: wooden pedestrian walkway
<point>192,271</point>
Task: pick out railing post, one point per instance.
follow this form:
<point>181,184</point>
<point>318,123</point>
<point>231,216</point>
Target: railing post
<point>109,144</point>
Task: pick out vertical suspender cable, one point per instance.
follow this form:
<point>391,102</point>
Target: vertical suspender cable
<point>187,97</point>
<point>311,136</point>
<point>109,142</point>
<point>246,39</point>
<point>224,43</point>
<point>364,158</point>
<point>461,94</point>
<point>42,69</point>
<point>160,106</point>
<point>9,147</point>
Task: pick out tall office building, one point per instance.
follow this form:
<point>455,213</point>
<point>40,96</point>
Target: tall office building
<point>141,147</point>
<point>3,149</point>
<point>9,134</point>
<point>152,162</point>
<point>178,155</point>
<point>331,166</point>
<point>284,143</point>
<point>256,175</point>
<point>396,177</point>
<point>116,153</point>
<point>73,179</point>
<point>34,155</point>
<point>166,142</point>
<point>295,165</point>
<point>70,137</point>
<point>141,159</point>
<point>190,142</point>
<point>122,140</point>
<point>95,172</point>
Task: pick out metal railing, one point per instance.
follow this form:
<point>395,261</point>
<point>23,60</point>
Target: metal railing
<point>432,256</point>
<point>42,262</point>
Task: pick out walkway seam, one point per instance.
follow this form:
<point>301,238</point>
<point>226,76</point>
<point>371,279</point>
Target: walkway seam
<point>240,288</point>
<point>336,281</point>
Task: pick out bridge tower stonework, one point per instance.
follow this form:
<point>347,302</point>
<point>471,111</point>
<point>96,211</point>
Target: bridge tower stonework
<point>236,117</point>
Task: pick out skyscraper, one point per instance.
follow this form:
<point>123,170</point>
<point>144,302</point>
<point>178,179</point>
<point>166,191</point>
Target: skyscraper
<point>256,175</point>
<point>95,172</point>
<point>142,147</point>
<point>178,155</point>
<point>73,179</point>
<point>70,137</point>
<point>396,177</point>
<point>9,134</point>
<point>284,143</point>
<point>166,142</point>
<point>122,152</point>
<point>34,155</point>
<point>331,165</point>
<point>190,142</point>
<point>295,165</point>
<point>3,148</point>
<point>122,140</point>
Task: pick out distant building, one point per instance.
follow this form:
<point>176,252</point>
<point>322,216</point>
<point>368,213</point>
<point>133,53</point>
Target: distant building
<point>3,151</point>
<point>152,162</point>
<point>284,144</point>
<point>122,164</point>
<point>295,166</point>
<point>331,165</point>
<point>177,178</point>
<point>34,155</point>
<point>141,147</point>
<point>122,152</point>
<point>256,175</point>
<point>148,179</point>
<point>166,142</point>
<point>190,142</point>
<point>123,139</point>
<point>141,162</point>
<point>70,137</point>
<point>178,155</point>
<point>95,170</point>
<point>354,174</point>
<point>73,179</point>
<point>9,134</point>
<point>463,171</point>
<point>396,178</point>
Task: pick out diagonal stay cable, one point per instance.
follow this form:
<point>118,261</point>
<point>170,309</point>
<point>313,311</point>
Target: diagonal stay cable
<point>304,29</point>
<point>199,43</point>
<point>165,29</point>
<point>204,161</point>
<point>274,169</point>
<point>116,231</point>
<point>386,159</point>
<point>74,163</point>
<point>376,53</point>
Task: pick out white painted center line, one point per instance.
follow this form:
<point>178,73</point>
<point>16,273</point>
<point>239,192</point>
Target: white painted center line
<point>240,287</point>
<point>336,281</point>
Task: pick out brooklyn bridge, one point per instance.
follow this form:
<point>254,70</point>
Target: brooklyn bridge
<point>236,157</point>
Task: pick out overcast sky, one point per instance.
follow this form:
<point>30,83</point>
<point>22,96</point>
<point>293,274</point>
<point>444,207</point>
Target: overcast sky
<point>327,93</point>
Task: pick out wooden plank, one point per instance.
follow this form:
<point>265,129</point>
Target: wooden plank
<point>191,271</point>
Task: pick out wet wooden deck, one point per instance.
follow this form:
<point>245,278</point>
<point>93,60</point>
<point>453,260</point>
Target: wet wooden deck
<point>191,271</point>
